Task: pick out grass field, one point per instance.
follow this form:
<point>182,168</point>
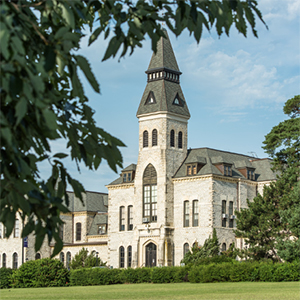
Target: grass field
<point>200,291</point>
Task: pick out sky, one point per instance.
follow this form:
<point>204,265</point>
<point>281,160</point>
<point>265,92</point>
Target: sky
<point>235,88</point>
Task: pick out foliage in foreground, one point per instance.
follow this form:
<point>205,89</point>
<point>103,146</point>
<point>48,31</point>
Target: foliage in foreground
<point>43,100</point>
<point>84,260</point>
<point>270,224</point>
<point>44,272</point>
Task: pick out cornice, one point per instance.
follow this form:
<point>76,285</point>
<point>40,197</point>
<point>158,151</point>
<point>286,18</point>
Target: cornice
<point>120,186</point>
<point>192,178</point>
<point>160,114</point>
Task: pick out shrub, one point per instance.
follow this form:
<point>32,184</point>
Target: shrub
<point>138,275</point>
<point>5,278</point>
<point>169,274</point>
<point>41,273</point>
<point>84,260</point>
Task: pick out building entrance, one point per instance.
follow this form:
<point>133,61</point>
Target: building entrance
<point>151,255</point>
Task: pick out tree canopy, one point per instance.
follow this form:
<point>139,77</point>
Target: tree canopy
<point>271,222</point>
<point>43,100</point>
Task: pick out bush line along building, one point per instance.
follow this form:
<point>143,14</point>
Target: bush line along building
<point>172,198</point>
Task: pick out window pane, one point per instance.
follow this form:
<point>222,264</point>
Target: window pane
<point>145,138</point>
<point>130,217</point>
<point>122,257</point>
<point>15,261</point>
<point>185,249</point>
<point>172,138</point>
<point>186,214</point>
<point>122,218</point>
<point>154,137</point>
<point>179,138</point>
<point>195,213</point>
<point>17,229</point>
<point>129,256</point>
<point>78,231</point>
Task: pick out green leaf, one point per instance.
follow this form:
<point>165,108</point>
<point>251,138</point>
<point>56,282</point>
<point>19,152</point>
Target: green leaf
<point>95,35</point>
<point>112,48</point>
<point>21,110</point>
<point>50,57</point>
<point>4,38</point>
<point>50,119</point>
<point>67,14</point>
<point>85,67</point>
<point>60,155</point>
<point>57,248</point>
<point>28,228</point>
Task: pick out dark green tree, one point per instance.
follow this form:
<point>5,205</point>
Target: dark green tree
<point>85,260</point>
<point>210,248</point>
<point>43,100</point>
<point>271,219</point>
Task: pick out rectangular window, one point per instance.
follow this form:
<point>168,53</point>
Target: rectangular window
<point>231,220</point>
<point>224,216</point>
<point>130,217</point>
<point>78,231</point>
<point>61,231</point>
<point>124,177</point>
<point>122,218</point>
<point>129,256</point>
<point>189,170</point>
<point>146,201</point>
<point>129,177</point>
<point>195,213</point>
<point>17,229</point>
<point>102,229</point>
<point>194,169</point>
<point>186,217</point>
<point>154,203</point>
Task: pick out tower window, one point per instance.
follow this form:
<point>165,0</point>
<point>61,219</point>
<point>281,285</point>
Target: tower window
<point>150,194</point>
<point>180,140</point>
<point>154,137</point>
<point>172,138</point>
<point>145,138</point>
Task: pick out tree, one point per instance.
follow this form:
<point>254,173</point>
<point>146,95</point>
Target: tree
<point>271,219</point>
<point>43,100</point>
<point>210,248</point>
<point>84,260</point>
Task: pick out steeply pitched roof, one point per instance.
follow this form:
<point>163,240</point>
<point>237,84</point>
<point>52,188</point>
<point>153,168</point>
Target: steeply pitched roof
<point>119,180</point>
<point>165,85</point>
<point>92,201</point>
<point>98,219</point>
<point>164,56</point>
<point>209,158</point>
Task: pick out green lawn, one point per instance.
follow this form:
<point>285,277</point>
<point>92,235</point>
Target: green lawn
<point>200,291</point>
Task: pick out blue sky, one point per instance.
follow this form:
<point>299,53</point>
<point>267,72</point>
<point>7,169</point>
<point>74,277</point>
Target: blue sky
<point>235,88</point>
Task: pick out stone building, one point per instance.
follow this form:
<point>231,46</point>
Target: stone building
<point>174,196</point>
<point>85,226</point>
<point>170,199</point>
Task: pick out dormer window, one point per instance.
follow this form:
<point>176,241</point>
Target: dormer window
<point>127,176</point>
<point>250,174</point>
<point>227,170</point>
<point>102,229</point>
<point>150,98</point>
<point>177,100</point>
<point>192,169</point>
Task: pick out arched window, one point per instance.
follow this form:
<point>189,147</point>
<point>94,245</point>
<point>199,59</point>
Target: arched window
<point>180,140</point>
<point>78,231</point>
<point>122,218</point>
<point>172,138</point>
<point>195,213</point>
<point>130,217</point>
<point>37,256</point>
<point>122,257</point>
<point>145,139</point>
<point>17,229</point>
<point>15,261</point>
<point>185,249</point>
<point>186,214</point>
<point>4,260</point>
<point>62,257</point>
<point>150,194</point>
<point>68,259</point>
<point>224,216</point>
<point>129,256</point>
<point>154,137</point>
<point>223,247</point>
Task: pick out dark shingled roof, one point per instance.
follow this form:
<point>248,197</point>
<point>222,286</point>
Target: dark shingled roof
<point>92,202</point>
<point>119,180</point>
<point>98,219</point>
<point>164,56</point>
<point>163,89</point>
<point>212,156</point>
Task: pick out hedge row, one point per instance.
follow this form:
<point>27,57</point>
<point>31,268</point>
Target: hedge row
<point>245,272</point>
<point>231,272</point>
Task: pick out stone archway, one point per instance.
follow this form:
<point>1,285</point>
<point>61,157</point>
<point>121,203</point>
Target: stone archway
<point>151,253</point>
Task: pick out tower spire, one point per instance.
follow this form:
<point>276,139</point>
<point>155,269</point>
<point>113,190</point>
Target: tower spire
<point>163,92</point>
